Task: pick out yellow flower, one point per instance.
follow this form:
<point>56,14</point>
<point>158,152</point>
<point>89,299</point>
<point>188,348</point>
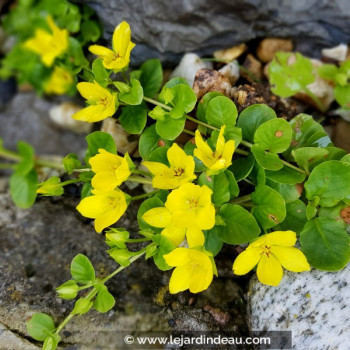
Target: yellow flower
<point>181,169</point>
<point>60,82</point>
<point>48,46</point>
<point>119,58</point>
<point>270,252</point>
<point>105,207</point>
<point>102,103</point>
<point>188,210</point>
<point>110,169</point>
<point>216,160</point>
<point>194,270</point>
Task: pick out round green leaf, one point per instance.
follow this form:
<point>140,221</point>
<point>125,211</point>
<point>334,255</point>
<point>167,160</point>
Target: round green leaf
<point>96,140</point>
<point>149,141</point>
<point>170,128</point>
<point>104,300</point>
<point>267,160</point>
<point>295,218</point>
<point>82,270</point>
<point>286,175</point>
<point>203,103</point>
<point>184,97</point>
<point>274,135</point>
<point>40,326</point>
<point>241,227</point>
<point>270,207</point>
<point>326,244</point>
<point>306,156</point>
<point>242,167</point>
<point>23,188</point>
<point>330,181</point>
<point>134,118</point>
<point>213,243</point>
<point>151,77</point>
<point>221,111</point>
<point>252,117</point>
<point>134,96</point>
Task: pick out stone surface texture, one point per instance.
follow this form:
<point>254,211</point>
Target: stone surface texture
<point>167,29</point>
<point>314,306</point>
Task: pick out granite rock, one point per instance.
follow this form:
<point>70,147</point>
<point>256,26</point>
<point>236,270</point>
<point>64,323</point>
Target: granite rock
<point>313,305</point>
<point>167,29</point>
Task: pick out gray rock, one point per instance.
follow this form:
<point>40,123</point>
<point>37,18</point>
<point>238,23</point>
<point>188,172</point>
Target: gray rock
<point>26,117</point>
<point>313,305</point>
<point>37,246</point>
<point>167,29</point>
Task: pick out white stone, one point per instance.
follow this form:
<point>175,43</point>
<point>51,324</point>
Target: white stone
<point>313,305</point>
<point>10,340</point>
<point>337,53</point>
<point>62,115</point>
<point>231,71</point>
<point>344,113</point>
<point>188,67</point>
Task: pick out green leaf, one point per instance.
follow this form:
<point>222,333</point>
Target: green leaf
<point>270,207</point>
<point>289,193</point>
<point>307,133</point>
<point>342,95</point>
<point>145,206</point>
<point>267,160</point>
<point>100,72</point>
<point>242,167</point>
<point>230,133</point>
<point>51,342</point>
<point>40,326</point>
<point>134,96</point>
<point>86,190</point>
<point>71,162</point>
<point>121,256</point>
<point>213,243</point>
<point>150,140</point>
<point>241,226</point>
<point>330,182</point>
<point>104,300</point>
<point>82,270</point>
<point>286,175</point>
<point>327,71</point>
<point>90,31</point>
<point>23,188</point>
<point>51,187</point>
<point>311,211</point>
<point>295,218</point>
<point>68,290</point>
<point>165,247</point>
<point>151,77</point>
<point>26,153</point>
<point>221,111</point>
<point>82,306</point>
<point>220,186</point>
<point>189,150</point>
<point>203,103</point>
<point>159,155</point>
<point>326,244</point>
<point>170,128</point>
<point>274,135</point>
<point>134,118</point>
<point>176,81</point>
<point>76,53</point>
<point>290,73</point>
<point>306,156</point>
<point>252,117</point>
<point>96,140</point>
<point>184,100</point>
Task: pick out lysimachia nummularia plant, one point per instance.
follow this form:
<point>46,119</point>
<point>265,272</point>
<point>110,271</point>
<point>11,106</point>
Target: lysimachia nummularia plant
<point>253,180</point>
<point>45,55</point>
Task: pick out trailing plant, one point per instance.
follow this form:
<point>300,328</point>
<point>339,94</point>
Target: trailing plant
<point>44,55</point>
<point>249,179</point>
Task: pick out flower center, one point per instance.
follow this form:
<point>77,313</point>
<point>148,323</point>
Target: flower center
<point>178,171</point>
<point>192,203</point>
<point>266,250</point>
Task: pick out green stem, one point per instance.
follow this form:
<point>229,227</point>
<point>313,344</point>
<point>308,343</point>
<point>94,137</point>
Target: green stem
<point>142,172</point>
<point>241,151</point>
<point>201,123</point>
<point>46,163</point>
<point>189,132</point>
<point>246,143</point>
<point>140,180</point>
<point>68,182</point>
<point>242,199</point>
<point>145,195</point>
<point>293,167</point>
<point>9,155</point>
<point>157,103</point>
<point>137,240</point>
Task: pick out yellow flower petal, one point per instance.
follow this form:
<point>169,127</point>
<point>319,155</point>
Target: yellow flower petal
<point>104,161</point>
<point>246,261</point>
<point>108,219</point>
<point>155,167</point>
<point>180,280</point>
<point>93,206</point>
<point>205,218</point>
<point>157,217</point>
<point>269,270</point>
<point>93,91</point>
<point>107,55</point>
<point>177,156</point>
<point>121,38</point>
<point>91,114</point>
<point>291,258</point>
<point>178,257</point>
<point>105,181</point>
<point>282,238</point>
<point>201,279</point>
<point>228,151</point>
<point>175,234</point>
<point>195,237</point>
<point>220,144</point>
